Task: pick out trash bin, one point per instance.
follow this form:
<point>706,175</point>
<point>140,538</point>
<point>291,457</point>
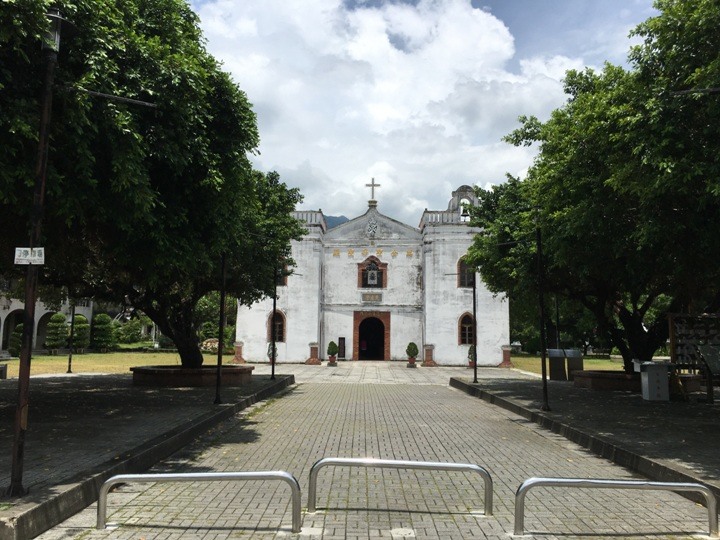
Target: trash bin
<point>556,359</point>
<point>574,362</point>
<point>654,381</point>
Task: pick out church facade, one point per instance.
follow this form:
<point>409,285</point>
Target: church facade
<point>373,285</point>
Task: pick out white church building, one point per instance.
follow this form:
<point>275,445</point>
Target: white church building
<point>372,285</point>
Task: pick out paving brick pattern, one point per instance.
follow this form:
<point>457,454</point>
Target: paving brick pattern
<point>413,415</point>
<point>78,422</point>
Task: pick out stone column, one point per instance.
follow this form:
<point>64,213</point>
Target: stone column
<point>428,353</point>
<point>238,359</point>
<point>506,362</point>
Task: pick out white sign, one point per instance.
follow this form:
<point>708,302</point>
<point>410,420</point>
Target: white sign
<point>26,255</point>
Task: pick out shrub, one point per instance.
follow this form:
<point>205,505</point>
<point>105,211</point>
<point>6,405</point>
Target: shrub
<point>81,333</point>
<point>15,342</point>
<point>332,349</point>
<point>229,338</point>
<point>130,332</point>
<point>165,342</point>
<point>412,350</point>
<point>208,330</point>
<point>103,337</point>
<point>57,332</point>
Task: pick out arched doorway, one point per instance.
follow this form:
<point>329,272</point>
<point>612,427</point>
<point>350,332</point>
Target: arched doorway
<point>11,321</point>
<point>371,334</point>
<point>41,330</point>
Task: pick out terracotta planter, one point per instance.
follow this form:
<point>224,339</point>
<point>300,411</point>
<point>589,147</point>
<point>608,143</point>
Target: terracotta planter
<point>332,361</point>
<point>411,362</point>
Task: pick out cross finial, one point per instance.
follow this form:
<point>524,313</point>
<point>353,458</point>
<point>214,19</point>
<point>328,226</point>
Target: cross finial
<point>372,185</point>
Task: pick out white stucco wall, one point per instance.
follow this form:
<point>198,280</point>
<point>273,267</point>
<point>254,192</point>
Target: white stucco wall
<point>299,302</point>
<point>405,326</point>
<point>337,324</point>
<point>446,303</point>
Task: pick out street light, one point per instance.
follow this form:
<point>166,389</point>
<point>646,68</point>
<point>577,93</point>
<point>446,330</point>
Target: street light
<point>71,339</point>
<point>474,350</point>
<point>273,326</point>
<point>541,300</point>
<point>465,216</point>
<point>51,47</point>
<point>221,335</point>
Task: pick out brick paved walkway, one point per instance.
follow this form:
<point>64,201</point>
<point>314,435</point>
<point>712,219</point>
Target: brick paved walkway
<point>414,415</point>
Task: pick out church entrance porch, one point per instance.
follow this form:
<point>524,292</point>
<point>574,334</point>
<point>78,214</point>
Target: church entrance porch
<point>371,335</point>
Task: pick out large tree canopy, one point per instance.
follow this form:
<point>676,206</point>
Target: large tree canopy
<point>141,202</point>
<point>624,187</point>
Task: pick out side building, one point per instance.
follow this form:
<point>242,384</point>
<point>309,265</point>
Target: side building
<point>372,285</point>
<point>12,312</point>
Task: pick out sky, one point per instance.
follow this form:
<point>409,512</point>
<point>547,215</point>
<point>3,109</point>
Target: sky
<point>416,94</point>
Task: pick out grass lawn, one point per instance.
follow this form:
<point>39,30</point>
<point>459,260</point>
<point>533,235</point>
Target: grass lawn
<point>532,363</point>
<point>113,362</point>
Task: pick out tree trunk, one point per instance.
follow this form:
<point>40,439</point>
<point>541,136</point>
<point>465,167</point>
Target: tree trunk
<point>635,341</point>
<point>189,350</point>
<point>177,325</point>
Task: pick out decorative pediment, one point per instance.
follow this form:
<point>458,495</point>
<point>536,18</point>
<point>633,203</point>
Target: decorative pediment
<point>373,226</point>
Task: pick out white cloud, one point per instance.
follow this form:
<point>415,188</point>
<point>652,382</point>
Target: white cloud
<point>416,96</point>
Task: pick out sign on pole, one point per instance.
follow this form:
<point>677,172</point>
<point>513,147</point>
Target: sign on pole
<point>26,255</point>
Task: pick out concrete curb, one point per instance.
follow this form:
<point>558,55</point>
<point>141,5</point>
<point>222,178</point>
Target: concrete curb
<point>50,506</point>
<point>594,443</point>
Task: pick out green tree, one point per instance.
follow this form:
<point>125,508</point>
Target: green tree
<point>141,203</point>
<point>130,331</point>
<point>15,341</point>
<point>103,335</point>
<point>628,219</point>
<point>57,332</point>
<point>81,333</point>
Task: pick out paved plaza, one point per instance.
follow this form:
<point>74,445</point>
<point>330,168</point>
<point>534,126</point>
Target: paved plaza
<point>386,411</point>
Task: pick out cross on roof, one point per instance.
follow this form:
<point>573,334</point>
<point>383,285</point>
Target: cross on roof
<point>372,185</point>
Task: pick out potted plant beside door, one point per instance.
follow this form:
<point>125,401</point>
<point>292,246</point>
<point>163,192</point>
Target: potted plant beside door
<point>412,352</point>
<point>332,351</point>
<point>471,356</point>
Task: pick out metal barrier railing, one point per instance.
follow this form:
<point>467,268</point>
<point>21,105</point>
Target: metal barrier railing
<point>204,477</point>
<point>530,483</point>
<point>396,464</point>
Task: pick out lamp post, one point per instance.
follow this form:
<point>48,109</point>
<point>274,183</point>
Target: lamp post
<point>465,217</point>
<point>50,46</point>
<point>273,327</point>
<point>221,335</point>
<point>541,300</point>
<point>72,335</point>
<point>474,354</point>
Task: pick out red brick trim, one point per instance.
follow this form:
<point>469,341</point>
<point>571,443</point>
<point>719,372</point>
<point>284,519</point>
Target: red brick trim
<point>381,266</point>
<point>360,316</point>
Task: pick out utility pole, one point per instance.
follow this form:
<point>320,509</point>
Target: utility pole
<point>50,48</point>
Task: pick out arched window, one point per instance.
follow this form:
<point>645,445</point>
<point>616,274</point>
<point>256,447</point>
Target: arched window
<point>466,275</point>
<point>276,324</point>
<point>372,274</point>
<point>467,330</point>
